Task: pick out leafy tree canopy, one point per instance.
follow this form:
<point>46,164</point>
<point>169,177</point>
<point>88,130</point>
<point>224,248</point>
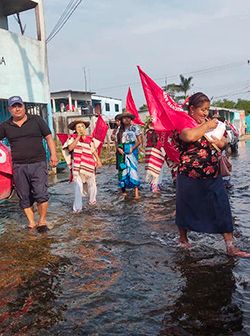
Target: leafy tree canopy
<point>241,104</point>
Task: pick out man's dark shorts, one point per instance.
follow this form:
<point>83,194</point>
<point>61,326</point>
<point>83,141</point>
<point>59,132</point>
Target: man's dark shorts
<point>31,183</point>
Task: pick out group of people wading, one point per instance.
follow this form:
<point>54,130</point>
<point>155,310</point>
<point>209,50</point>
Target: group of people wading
<point>202,203</point>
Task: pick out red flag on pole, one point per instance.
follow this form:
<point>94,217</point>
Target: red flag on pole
<point>100,132</point>
<point>62,137</point>
<point>131,107</point>
<point>166,114</point>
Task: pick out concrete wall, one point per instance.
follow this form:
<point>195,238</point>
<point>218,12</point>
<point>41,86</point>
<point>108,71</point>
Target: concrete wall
<point>24,71</point>
<point>23,60</point>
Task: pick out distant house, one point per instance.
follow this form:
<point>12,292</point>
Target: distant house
<point>72,101</point>
<point>236,117</point>
<point>23,61</point>
<point>106,106</point>
<point>68,105</point>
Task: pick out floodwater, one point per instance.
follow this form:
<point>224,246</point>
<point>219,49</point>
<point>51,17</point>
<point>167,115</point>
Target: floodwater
<point>116,269</point>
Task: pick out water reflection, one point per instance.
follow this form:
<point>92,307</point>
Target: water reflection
<point>115,269</point>
<point>205,306</point>
<point>29,284</point>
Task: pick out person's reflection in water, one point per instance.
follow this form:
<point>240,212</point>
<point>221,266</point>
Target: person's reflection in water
<point>30,286</point>
<point>205,306</point>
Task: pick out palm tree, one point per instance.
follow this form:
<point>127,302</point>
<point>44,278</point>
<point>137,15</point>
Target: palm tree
<point>185,84</point>
<point>172,89</point>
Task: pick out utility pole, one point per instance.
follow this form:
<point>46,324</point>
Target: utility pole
<point>89,79</point>
<point>85,79</point>
<point>165,83</point>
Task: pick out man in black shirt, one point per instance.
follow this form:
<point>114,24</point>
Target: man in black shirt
<point>25,134</point>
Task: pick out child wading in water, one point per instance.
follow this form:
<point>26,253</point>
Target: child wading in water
<point>83,158</point>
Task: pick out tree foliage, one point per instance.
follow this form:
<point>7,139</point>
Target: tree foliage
<point>184,86</point>
<point>241,104</point>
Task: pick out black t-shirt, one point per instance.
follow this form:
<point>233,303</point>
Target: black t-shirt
<point>26,142</point>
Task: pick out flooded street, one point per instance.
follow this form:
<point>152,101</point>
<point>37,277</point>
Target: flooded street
<point>115,269</point>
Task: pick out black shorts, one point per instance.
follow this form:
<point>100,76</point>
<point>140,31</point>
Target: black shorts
<point>31,183</point>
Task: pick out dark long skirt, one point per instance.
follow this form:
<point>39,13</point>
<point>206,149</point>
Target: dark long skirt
<point>202,205</point>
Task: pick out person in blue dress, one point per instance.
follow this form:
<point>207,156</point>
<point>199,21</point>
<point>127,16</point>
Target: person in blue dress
<point>128,139</point>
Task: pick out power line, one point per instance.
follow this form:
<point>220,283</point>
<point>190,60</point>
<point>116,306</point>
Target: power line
<point>68,12</point>
<point>223,86</point>
<point>234,93</point>
<point>194,72</point>
<point>60,20</point>
<point>65,20</point>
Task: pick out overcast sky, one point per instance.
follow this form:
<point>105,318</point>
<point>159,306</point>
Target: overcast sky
<point>165,37</point>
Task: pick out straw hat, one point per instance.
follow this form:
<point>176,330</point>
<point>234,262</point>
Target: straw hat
<point>72,125</point>
<point>126,115</point>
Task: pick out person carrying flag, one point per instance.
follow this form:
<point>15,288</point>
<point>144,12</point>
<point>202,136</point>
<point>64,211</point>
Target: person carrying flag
<point>202,203</point>
<point>84,160</point>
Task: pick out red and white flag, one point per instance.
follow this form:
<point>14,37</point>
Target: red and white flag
<point>131,108</point>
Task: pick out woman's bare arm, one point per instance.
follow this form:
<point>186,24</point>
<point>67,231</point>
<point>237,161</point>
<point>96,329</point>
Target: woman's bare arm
<point>194,134</point>
<point>137,143</point>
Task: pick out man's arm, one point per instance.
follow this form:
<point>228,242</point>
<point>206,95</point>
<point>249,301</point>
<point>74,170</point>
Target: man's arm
<point>46,133</point>
<point>52,149</point>
<point>2,132</point>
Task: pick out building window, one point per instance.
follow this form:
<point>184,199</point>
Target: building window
<point>107,107</point>
<point>117,108</point>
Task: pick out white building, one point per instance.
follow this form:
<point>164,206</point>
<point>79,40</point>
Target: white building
<point>107,106</point>
<point>70,104</point>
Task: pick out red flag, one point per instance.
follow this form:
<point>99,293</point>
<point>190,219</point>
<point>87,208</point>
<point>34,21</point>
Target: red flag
<point>62,137</point>
<point>100,132</point>
<point>131,108</point>
<point>5,172</point>
<point>5,159</point>
<point>166,114</point>
<point>185,102</point>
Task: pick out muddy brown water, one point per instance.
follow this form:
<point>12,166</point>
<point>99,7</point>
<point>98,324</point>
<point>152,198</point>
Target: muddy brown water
<point>116,270</point>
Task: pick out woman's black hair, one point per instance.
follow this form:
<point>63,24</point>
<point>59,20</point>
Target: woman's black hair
<point>197,99</point>
<point>120,132</point>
